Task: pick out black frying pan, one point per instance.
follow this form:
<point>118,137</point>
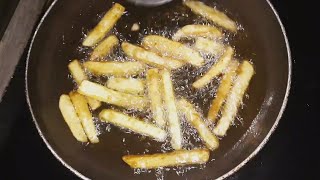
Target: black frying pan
<point>58,37</point>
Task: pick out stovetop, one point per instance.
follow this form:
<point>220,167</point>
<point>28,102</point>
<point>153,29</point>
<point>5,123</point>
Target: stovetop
<point>289,154</point>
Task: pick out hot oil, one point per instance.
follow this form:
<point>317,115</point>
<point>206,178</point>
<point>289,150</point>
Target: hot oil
<point>165,21</point>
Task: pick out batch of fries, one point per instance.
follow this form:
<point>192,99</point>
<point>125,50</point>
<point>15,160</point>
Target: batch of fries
<point>156,57</point>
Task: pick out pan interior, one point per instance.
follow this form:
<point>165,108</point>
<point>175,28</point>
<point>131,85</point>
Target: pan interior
<point>58,41</point>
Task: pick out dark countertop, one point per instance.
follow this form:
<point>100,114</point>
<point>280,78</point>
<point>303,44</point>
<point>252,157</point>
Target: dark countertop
<point>289,154</point>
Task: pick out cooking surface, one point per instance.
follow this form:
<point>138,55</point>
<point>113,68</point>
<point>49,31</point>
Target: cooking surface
<point>26,156</point>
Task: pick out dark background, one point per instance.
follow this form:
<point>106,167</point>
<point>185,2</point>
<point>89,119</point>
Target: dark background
<point>291,153</point>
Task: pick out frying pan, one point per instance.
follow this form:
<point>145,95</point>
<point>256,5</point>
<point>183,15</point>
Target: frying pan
<point>58,38</point>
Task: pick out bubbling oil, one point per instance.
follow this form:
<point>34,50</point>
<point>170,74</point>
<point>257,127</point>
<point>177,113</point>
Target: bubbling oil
<point>164,22</point>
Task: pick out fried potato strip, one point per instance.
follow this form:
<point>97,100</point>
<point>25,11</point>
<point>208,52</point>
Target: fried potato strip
<point>136,125</point>
<point>230,109</point>
<point>79,75</point>
<point>175,158</point>
<point>215,70</point>
<point>104,47</point>
<point>171,110</point>
<point>212,14</point>
<point>195,119</point>
<point>119,69</point>
<point>102,93</point>
<point>81,106</point>
<point>154,94</point>
<point>104,26</point>
<point>149,57</point>
<point>223,91</point>
<point>196,30</point>
<point>169,48</point>
<point>70,116</point>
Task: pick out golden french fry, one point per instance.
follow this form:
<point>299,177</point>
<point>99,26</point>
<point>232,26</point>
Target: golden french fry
<point>119,69</point>
<point>104,47</point>
<point>81,106</point>
<point>197,30</point>
<point>223,90</point>
<point>127,85</point>
<point>134,124</point>
<point>216,69</point>
<point>79,75</point>
<point>194,118</point>
<point>171,110</point>
<point>212,14</point>
<point>169,48</point>
<point>102,93</point>
<point>104,26</point>
<point>175,158</point>
<point>234,99</point>
<point>77,72</point>
<point>209,46</point>
<point>70,117</point>
<point>154,93</point>
<point>149,57</point>
<point>94,104</point>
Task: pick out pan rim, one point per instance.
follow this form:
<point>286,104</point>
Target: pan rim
<point>226,175</point>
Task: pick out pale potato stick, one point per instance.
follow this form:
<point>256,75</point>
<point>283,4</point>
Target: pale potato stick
<point>127,85</point>
<point>119,69</point>
<point>104,47</point>
<point>223,91</point>
<point>171,110</point>
<point>151,58</point>
<point>134,124</point>
<point>79,75</point>
<point>171,159</point>
<point>212,14</point>
<point>169,48</point>
<point>81,106</point>
<point>77,71</point>
<point>234,99</point>
<point>102,93</point>
<point>94,104</point>
<point>208,46</point>
<point>70,117</point>
<point>104,26</point>
<point>154,94</point>
<point>197,30</point>
<point>216,69</point>
<point>195,119</point>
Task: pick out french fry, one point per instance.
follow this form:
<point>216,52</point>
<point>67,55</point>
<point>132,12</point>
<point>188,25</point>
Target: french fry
<point>216,69</point>
<point>175,158</point>
<point>104,47</point>
<point>212,14</point>
<point>196,30</point>
<point>194,118</point>
<point>104,26</point>
<point>169,48</point>
<point>127,85</point>
<point>77,72</point>
<point>79,75</point>
<point>81,106</point>
<point>94,104</point>
<point>119,69</point>
<point>136,125</point>
<point>223,91</point>
<point>233,101</point>
<point>70,117</point>
<point>149,57</point>
<point>154,86</point>
<point>208,46</point>
<point>171,110</point>
<point>102,93</point>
